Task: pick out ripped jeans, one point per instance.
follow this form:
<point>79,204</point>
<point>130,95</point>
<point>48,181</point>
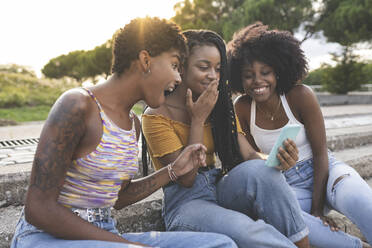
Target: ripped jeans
<point>350,196</point>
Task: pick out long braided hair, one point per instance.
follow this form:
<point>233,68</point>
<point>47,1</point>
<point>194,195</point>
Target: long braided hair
<point>223,121</point>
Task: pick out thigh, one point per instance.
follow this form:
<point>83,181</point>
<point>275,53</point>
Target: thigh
<point>181,239</point>
<point>206,216</point>
<point>28,236</point>
<point>261,192</point>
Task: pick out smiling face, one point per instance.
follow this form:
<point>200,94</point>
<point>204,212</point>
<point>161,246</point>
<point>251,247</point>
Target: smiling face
<point>259,81</point>
<point>163,76</point>
<point>203,67</point>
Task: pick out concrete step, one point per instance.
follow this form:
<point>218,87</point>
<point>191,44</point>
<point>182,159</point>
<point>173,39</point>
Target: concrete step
<point>140,217</point>
<point>348,137</point>
<point>352,145</point>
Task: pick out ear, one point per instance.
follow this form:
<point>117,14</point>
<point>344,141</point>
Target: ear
<point>145,61</point>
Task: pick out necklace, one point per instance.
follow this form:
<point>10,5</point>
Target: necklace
<point>176,107</point>
<point>268,115</point>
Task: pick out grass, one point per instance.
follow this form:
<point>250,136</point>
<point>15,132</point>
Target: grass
<point>37,113</point>
<point>24,114</point>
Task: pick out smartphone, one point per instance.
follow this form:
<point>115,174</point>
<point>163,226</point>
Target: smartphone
<point>288,132</point>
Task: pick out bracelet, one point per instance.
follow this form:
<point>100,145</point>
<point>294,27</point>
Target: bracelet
<point>172,175</point>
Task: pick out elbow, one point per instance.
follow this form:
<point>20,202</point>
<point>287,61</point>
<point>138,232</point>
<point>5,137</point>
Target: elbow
<point>30,212</point>
<point>117,206</point>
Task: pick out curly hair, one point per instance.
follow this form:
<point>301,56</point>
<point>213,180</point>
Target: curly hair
<point>223,115</point>
<point>276,48</point>
<point>152,34</point>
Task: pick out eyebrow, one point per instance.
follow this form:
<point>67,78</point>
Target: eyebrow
<point>177,56</point>
<point>206,61</point>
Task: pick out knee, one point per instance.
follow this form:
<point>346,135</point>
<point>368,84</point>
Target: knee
<point>258,171</point>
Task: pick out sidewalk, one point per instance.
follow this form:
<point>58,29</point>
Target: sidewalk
<point>33,129</point>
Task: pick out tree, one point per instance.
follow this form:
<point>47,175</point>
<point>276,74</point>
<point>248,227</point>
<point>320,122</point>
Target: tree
<point>279,14</point>
<point>346,76</point>
<point>227,16</point>
<point>64,65</point>
<point>206,14</point>
<point>346,22</point>
<point>20,69</point>
<point>81,65</point>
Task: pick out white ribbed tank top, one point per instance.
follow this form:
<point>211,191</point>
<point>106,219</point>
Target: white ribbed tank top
<point>265,138</point>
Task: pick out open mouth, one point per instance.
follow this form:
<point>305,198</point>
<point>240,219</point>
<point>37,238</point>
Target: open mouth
<point>260,90</point>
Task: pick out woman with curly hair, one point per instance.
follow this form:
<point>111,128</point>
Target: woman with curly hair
<point>244,200</point>
<point>88,153</point>
<point>267,67</point>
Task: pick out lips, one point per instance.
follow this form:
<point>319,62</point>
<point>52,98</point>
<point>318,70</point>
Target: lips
<point>260,90</point>
<point>170,88</point>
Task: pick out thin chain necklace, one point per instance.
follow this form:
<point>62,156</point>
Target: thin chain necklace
<point>268,115</point>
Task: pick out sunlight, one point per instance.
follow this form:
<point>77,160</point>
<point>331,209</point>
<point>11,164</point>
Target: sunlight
<point>41,29</point>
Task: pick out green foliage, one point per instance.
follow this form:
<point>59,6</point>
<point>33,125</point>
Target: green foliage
<point>205,14</point>
<point>22,114</point>
<point>277,14</point>
<point>81,65</point>
<point>367,71</point>
<point>23,90</point>
<point>14,68</point>
<point>316,77</point>
<point>346,21</point>
<point>346,76</point>
<point>227,16</point>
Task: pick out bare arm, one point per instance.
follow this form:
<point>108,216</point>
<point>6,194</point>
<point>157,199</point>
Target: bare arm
<point>61,135</point>
<point>312,118</point>
<point>191,158</point>
<point>198,112</point>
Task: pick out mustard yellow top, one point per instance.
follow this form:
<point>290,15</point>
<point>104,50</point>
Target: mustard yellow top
<point>164,136</point>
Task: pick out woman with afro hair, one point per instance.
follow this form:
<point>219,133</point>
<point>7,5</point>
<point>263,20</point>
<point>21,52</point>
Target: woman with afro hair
<point>266,67</point>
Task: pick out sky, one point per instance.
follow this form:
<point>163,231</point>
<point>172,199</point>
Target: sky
<point>35,31</point>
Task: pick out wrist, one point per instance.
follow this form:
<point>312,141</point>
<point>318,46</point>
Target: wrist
<point>171,173</point>
<point>197,121</point>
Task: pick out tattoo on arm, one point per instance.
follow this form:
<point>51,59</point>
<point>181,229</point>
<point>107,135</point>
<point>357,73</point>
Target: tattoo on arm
<point>147,186</point>
<point>64,128</point>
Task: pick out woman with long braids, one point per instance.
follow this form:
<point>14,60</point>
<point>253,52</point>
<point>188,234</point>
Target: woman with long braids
<point>267,67</point>
<point>244,200</point>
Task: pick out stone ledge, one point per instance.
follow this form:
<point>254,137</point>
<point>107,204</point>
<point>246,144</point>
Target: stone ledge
<point>141,217</point>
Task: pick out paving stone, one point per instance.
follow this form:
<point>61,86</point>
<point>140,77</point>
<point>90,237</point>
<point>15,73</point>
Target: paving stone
<point>25,148</point>
<point>21,154</point>
<point>3,163</point>
<point>6,151</point>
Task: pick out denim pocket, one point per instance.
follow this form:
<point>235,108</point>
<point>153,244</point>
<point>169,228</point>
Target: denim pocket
<point>301,175</point>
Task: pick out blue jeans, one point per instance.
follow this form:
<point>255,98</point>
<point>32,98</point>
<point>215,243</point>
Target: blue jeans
<point>351,196</point>
<point>252,204</point>
<point>28,236</point>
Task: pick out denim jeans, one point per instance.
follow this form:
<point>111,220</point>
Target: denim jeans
<point>351,196</point>
<point>252,204</point>
<point>28,236</point>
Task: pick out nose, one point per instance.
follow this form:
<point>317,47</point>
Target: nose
<point>212,74</point>
<point>178,79</point>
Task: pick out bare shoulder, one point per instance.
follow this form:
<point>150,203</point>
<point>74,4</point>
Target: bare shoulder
<point>162,110</point>
<point>301,90</point>
<point>242,103</point>
<point>73,100</point>
<point>301,94</point>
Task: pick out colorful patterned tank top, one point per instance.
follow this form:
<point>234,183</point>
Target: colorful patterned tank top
<point>94,180</point>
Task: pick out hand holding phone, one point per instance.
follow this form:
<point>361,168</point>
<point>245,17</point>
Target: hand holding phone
<point>288,132</point>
